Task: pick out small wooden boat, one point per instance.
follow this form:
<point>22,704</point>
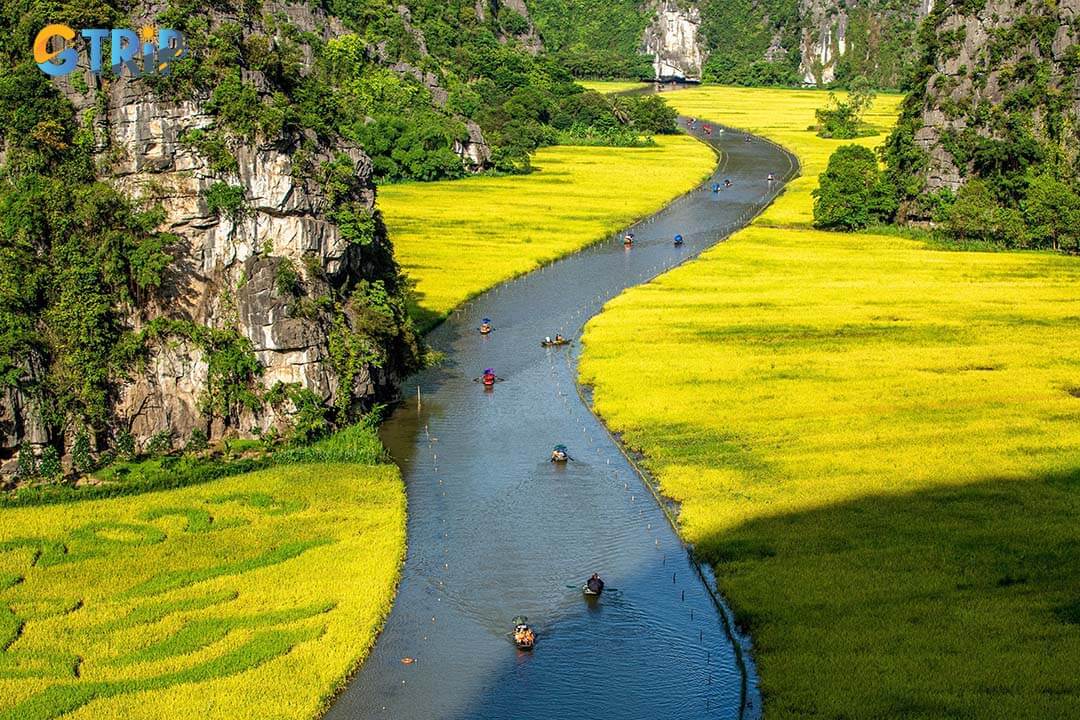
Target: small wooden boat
<point>523,635</point>
<point>678,240</point>
<point>628,239</point>
<point>554,343</point>
<point>560,454</point>
<point>593,586</point>
<point>488,378</point>
<point>485,326</point>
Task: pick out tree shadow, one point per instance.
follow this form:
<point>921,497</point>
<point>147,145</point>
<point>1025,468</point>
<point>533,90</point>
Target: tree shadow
<point>953,602</point>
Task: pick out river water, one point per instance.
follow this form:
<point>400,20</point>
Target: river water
<point>496,530</point>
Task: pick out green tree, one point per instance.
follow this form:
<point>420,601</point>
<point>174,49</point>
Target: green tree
<point>851,194</point>
<point>1052,211</point>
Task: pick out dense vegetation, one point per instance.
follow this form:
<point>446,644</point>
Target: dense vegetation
<point>1016,160</point>
<point>402,83</point>
<point>873,441</point>
<point>759,43</point>
<point>595,38</point>
<point>251,596</point>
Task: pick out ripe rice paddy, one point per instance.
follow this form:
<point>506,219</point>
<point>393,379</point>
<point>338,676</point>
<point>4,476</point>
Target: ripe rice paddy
<point>458,238</point>
<point>251,596</point>
<point>876,444</point>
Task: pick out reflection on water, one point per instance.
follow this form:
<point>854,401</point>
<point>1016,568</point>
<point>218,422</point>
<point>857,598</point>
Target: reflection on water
<point>497,531</point>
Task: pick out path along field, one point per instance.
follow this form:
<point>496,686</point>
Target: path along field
<point>457,238</point>
<point>875,443</point>
<point>252,596</point>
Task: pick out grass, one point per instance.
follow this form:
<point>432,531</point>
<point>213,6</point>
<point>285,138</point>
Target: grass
<point>875,442</point>
<point>249,596</point>
<point>456,239</point>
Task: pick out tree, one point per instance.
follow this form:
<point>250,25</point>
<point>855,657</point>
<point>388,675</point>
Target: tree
<point>1052,211</point>
<point>971,216</point>
<point>851,194</point>
<point>842,119</point>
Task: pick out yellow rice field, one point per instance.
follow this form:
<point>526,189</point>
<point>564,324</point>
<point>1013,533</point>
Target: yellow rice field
<point>457,238</point>
<point>612,86</point>
<point>252,596</point>
<point>874,442</point>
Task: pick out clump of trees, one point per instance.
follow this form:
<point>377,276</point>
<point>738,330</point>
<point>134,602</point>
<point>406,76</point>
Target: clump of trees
<point>852,194</point>
<point>1037,210</point>
<point>842,119</point>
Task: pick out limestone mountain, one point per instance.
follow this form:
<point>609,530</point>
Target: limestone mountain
<point>997,98</point>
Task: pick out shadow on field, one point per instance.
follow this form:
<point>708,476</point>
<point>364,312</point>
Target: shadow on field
<point>959,602</point>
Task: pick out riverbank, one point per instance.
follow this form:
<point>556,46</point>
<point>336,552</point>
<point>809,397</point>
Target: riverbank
<point>254,595</point>
<point>875,443</point>
<point>457,238</point>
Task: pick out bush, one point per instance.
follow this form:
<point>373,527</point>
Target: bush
<point>160,443</point>
<point>198,441</point>
<point>81,459</point>
<point>225,200</point>
<point>49,467</point>
<point>851,194</point>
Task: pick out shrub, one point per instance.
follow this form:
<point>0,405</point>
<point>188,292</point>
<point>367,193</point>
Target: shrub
<point>286,278</point>
<point>81,459</point>
<point>198,441</point>
<point>160,442</point>
<point>49,466</point>
<point>225,200</point>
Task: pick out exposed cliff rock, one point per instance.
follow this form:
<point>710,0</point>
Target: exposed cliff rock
<point>223,291</point>
<point>1000,91</point>
<point>815,42</point>
<point>674,40</point>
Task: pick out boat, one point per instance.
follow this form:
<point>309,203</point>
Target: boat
<point>593,586</point>
<point>678,240</point>
<point>560,454</point>
<point>523,635</point>
<point>485,326</point>
<point>548,342</point>
<point>628,239</point>
<point>488,378</point>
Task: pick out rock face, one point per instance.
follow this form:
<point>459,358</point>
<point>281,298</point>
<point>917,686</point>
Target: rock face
<point>869,34</point>
<point>1004,72</point>
<point>674,40</point>
<point>225,268</point>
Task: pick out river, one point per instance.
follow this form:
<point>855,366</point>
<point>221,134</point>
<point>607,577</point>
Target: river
<point>495,530</point>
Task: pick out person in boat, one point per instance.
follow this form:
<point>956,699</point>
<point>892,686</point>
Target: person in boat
<point>594,584</point>
<point>559,339</point>
<point>524,636</point>
<point>678,239</point>
<point>485,326</point>
<point>716,187</point>
<point>628,239</point>
<point>559,454</point>
<point>488,378</point>
<point>771,178</point>
<point>727,182</point>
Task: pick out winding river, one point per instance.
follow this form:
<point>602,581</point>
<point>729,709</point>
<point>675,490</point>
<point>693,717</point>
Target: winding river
<point>496,530</point>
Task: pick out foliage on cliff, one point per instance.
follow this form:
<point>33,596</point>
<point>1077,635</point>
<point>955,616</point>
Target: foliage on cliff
<point>83,266</point>
<point>595,38</point>
<point>403,81</point>
<point>986,145</point>
<point>761,43</point>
